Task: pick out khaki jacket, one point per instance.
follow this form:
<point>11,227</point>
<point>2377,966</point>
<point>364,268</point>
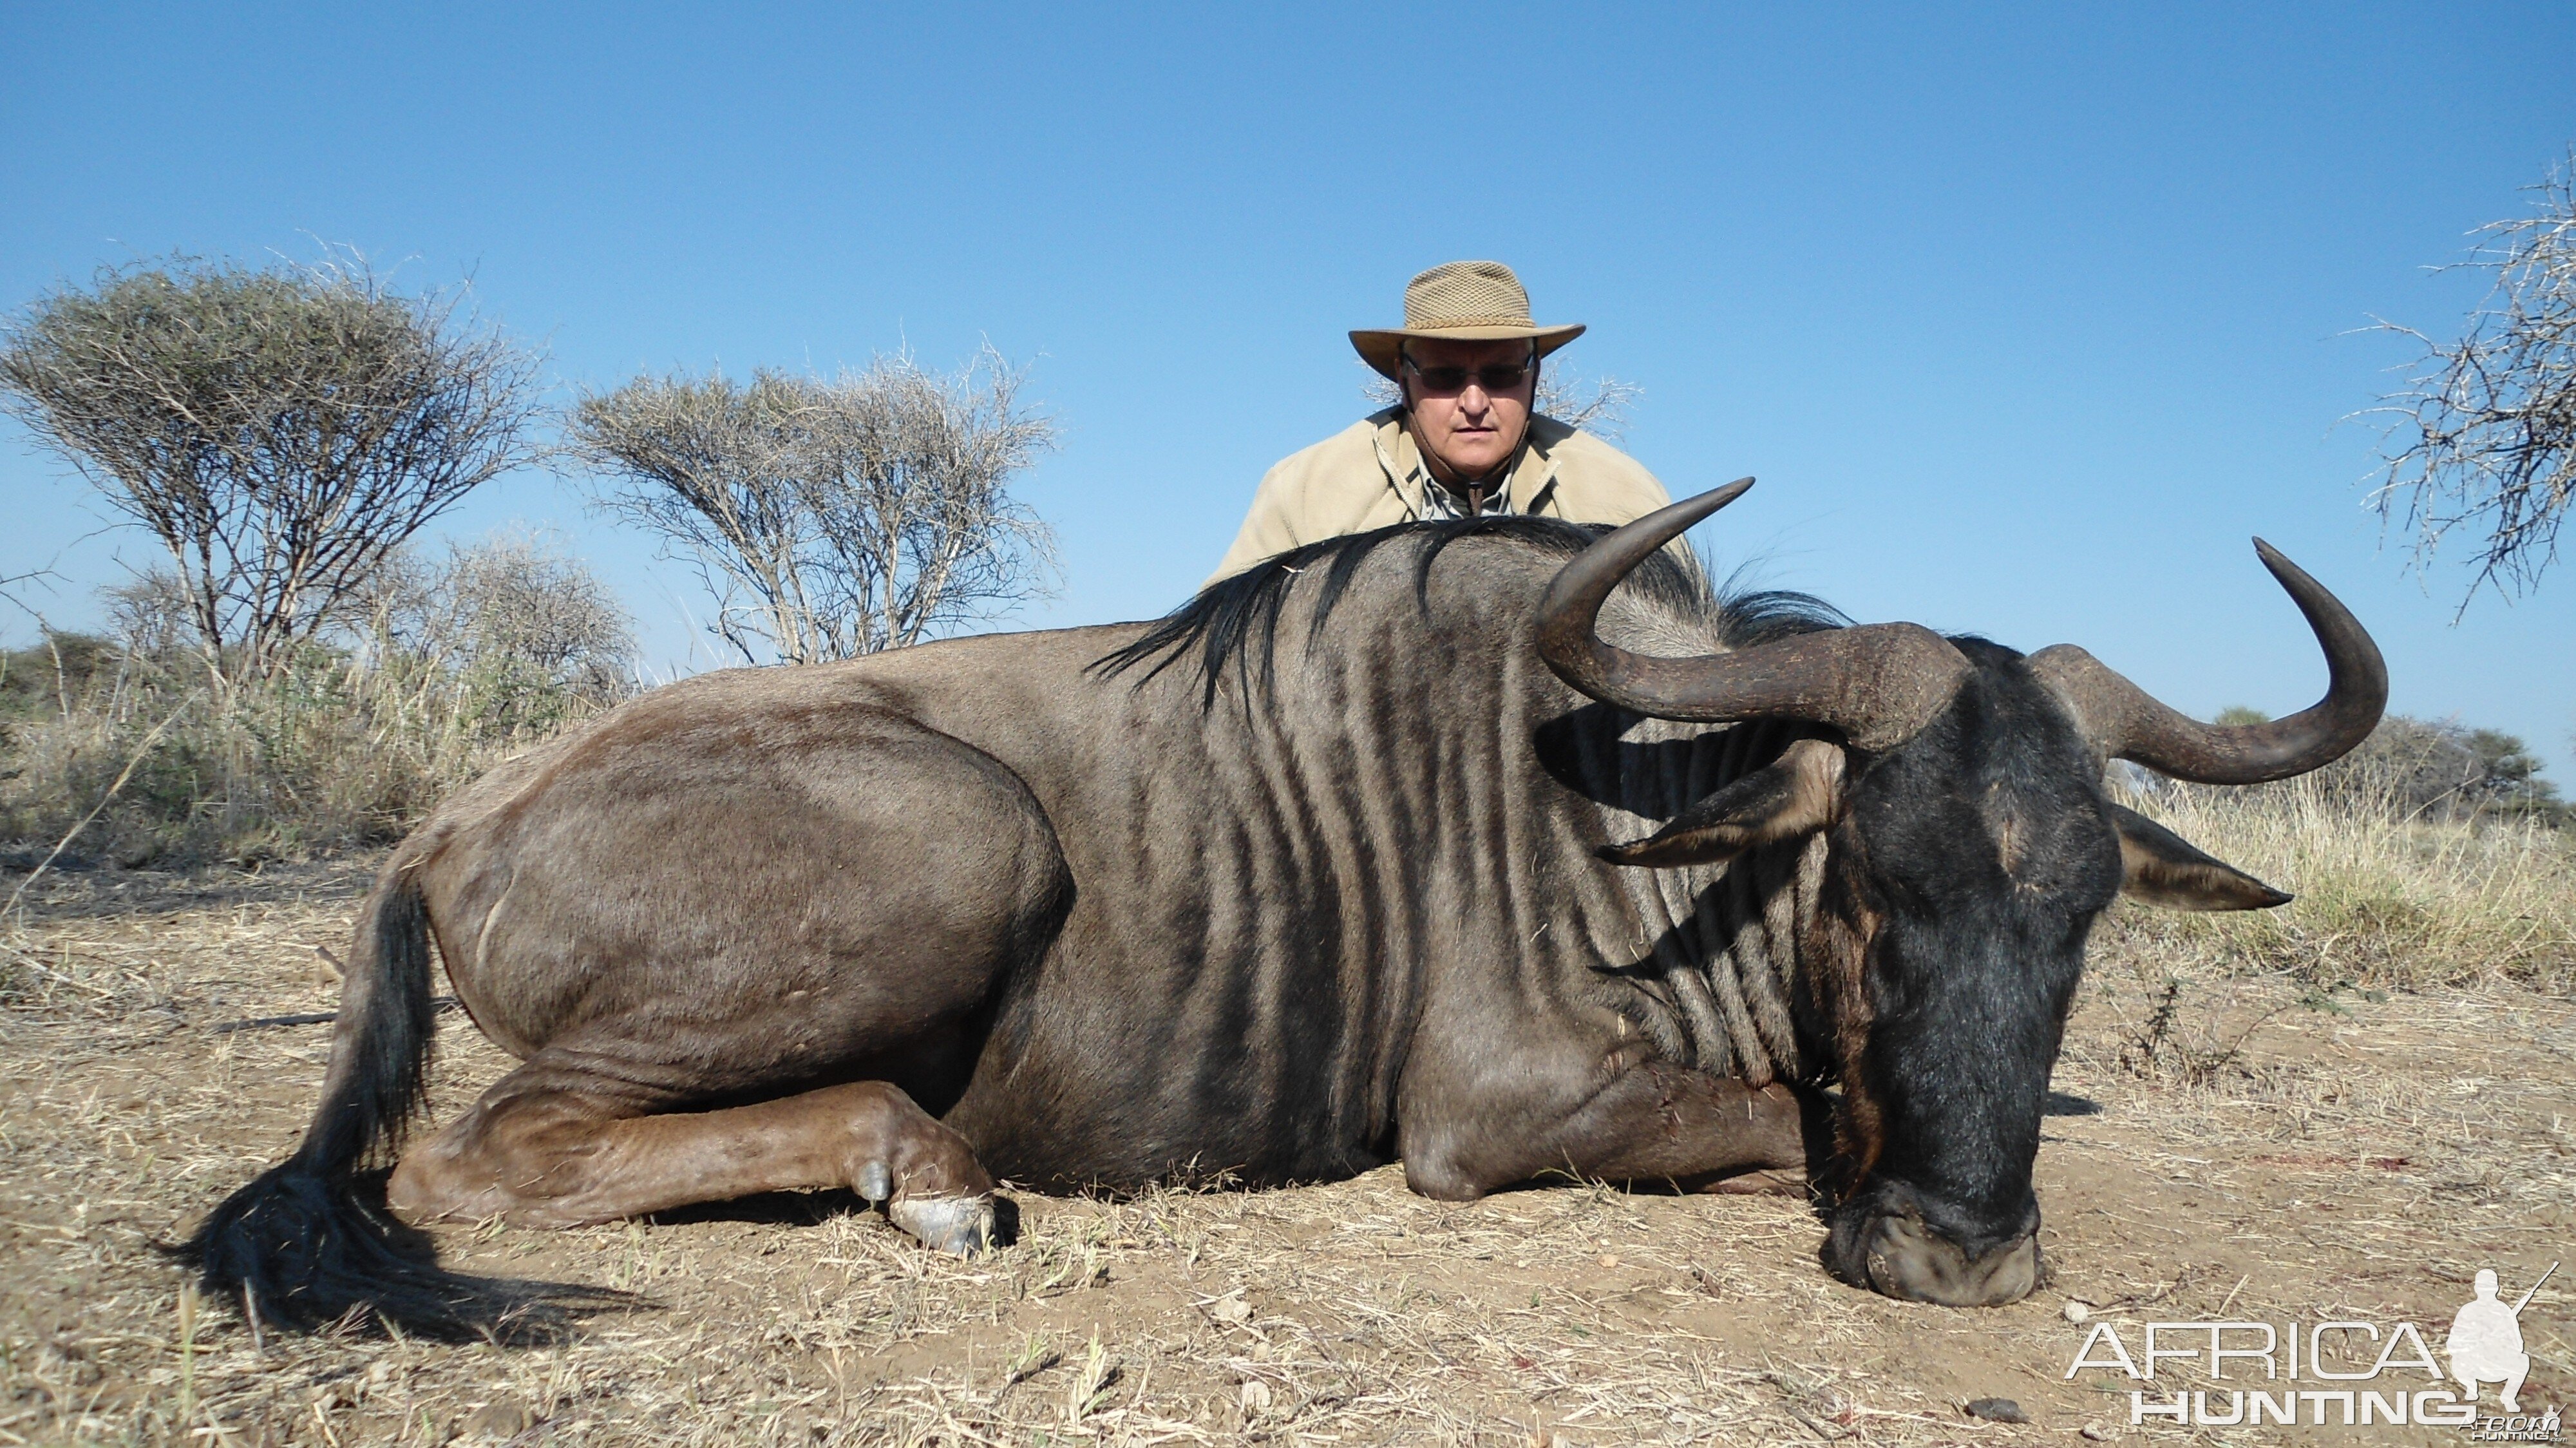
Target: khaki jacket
<point>1371,475</point>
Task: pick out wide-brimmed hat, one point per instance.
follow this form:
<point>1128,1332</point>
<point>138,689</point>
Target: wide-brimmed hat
<point>1466,301</point>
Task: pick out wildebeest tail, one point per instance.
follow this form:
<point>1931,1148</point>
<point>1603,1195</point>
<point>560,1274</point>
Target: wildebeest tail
<point>309,1242</point>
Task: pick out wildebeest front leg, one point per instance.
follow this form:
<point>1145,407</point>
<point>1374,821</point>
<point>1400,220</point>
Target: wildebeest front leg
<point>561,1158</point>
<point>1644,1122</point>
<point>1664,1123</point>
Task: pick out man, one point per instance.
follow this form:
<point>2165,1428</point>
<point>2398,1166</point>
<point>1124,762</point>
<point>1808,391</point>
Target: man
<point>1463,441</point>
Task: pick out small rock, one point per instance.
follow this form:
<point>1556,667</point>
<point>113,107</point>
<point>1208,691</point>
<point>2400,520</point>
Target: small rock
<point>1231,1309</point>
<point>1997,1410</point>
<point>503,1418</point>
<point>2095,1432</point>
<point>2077,1311</point>
<point>1256,1396</point>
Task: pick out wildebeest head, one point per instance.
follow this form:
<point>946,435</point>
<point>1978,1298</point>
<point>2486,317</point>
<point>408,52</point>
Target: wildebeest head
<point>1971,846</point>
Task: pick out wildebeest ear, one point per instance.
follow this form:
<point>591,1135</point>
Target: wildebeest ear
<point>1797,794</point>
<point>2159,867</point>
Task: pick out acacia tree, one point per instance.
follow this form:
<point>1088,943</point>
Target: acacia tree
<point>281,430</point>
<point>832,517</point>
<point>2484,440</point>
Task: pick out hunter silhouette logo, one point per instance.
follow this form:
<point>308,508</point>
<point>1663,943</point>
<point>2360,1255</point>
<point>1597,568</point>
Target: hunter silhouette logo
<point>2485,1345</point>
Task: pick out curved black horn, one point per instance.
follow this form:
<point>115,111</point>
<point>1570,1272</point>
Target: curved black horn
<point>2124,722</point>
<point>1878,684</point>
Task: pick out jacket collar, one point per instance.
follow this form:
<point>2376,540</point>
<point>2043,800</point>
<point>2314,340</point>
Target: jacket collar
<point>1532,473</point>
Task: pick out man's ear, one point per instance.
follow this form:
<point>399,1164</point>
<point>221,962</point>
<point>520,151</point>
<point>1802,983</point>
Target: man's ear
<point>1797,794</point>
<point>2159,867</point>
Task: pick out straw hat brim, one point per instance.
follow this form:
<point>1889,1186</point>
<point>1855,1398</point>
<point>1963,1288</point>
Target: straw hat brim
<point>1381,347</point>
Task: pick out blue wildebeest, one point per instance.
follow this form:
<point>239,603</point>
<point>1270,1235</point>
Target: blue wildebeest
<point>1339,865</point>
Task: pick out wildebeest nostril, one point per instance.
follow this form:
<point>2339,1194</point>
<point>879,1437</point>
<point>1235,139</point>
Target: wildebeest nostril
<point>1904,1258</point>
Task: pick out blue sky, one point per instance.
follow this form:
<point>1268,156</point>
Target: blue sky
<point>2026,317</point>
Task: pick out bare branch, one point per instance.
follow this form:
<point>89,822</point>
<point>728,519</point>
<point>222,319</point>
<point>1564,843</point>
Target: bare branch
<point>2483,436</point>
<point>10,585</point>
<point>1599,406</point>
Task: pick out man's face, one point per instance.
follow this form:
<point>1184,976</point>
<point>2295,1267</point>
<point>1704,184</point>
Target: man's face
<point>1462,422</point>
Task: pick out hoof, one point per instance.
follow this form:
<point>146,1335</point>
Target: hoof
<point>963,1225</point>
<point>875,1182</point>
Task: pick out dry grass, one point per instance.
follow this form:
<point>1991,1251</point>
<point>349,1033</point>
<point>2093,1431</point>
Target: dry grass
<point>2385,900</point>
<point>347,741</point>
<point>2362,1161</point>
<point>338,749</point>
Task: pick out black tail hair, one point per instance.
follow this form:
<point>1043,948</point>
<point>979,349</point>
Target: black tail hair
<point>309,1243</point>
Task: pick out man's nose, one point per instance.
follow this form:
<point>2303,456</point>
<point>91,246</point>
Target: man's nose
<point>1475,402</point>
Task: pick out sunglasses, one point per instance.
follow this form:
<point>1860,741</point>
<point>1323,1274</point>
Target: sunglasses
<point>1498,377</point>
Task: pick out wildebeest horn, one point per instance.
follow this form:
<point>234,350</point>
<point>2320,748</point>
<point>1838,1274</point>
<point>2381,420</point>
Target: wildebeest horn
<point>2123,722</point>
<point>1879,684</point>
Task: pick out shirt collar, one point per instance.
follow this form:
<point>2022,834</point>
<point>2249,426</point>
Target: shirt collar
<point>1526,482</point>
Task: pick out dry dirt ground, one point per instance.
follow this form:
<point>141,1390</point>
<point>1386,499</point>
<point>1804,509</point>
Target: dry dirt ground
<point>2361,1162</point>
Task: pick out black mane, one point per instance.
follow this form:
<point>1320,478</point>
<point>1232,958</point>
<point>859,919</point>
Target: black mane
<point>1228,617</point>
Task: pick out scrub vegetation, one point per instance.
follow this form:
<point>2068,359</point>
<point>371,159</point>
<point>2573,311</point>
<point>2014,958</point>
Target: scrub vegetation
<point>2432,856</point>
<point>833,517</point>
<point>126,752</point>
<point>293,675</point>
<point>282,431</point>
